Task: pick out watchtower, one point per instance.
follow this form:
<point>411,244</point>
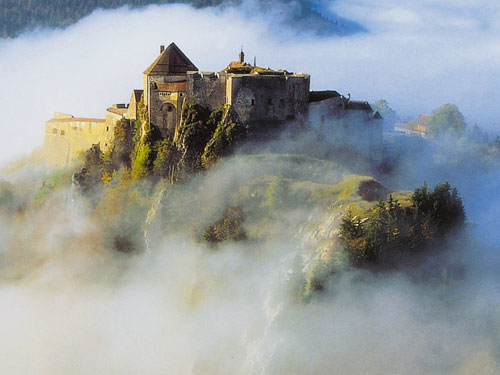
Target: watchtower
<point>165,87</point>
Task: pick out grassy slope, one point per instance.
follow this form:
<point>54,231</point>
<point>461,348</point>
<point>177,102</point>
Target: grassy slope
<point>313,184</point>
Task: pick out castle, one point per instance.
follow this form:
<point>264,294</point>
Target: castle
<point>256,96</point>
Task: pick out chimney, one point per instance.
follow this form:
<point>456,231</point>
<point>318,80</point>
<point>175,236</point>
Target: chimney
<point>242,56</point>
<point>162,48</point>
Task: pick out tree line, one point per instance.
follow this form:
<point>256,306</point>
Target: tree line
<point>390,232</point>
<point>16,18</point>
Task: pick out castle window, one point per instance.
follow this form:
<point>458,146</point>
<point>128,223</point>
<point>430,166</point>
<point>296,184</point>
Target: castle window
<point>62,132</point>
<point>107,128</point>
<point>282,103</point>
<point>253,102</point>
<point>54,131</point>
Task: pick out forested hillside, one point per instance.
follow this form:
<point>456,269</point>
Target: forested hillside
<point>16,17</point>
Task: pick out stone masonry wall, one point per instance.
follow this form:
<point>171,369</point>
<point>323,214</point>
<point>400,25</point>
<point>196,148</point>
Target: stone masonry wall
<point>261,98</point>
<point>165,97</point>
<point>66,138</point>
<point>206,89</point>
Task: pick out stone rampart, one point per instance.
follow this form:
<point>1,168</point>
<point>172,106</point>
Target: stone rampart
<point>67,136</point>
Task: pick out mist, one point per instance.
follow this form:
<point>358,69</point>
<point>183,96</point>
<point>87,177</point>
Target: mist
<point>73,305</point>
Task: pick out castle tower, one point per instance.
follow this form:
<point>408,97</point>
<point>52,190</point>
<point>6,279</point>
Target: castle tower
<point>165,87</point>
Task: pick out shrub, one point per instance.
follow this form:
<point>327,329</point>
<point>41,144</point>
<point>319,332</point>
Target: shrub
<point>90,176</point>
<point>222,142</point>
<point>166,159</point>
<point>142,161</point>
<point>228,228</point>
<point>123,143</point>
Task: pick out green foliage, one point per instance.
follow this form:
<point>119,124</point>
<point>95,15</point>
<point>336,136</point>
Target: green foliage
<point>166,159</point>
<point>197,127</point>
<point>122,143</point>
<point>94,165</point>
<point>142,162</point>
<point>278,193</point>
<point>141,147</point>
<point>7,198</point>
<point>137,132</point>
<point>142,112</point>
<point>222,143</point>
<point>145,139</point>
<point>228,228</point>
<point>122,212</point>
<point>389,230</point>
<point>53,182</point>
<point>15,19</point>
<point>447,121</point>
<point>442,208</point>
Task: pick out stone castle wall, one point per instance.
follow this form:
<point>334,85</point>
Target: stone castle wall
<point>207,89</point>
<point>66,137</point>
<point>261,98</point>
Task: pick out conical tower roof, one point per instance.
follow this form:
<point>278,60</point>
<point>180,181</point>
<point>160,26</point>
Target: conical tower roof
<point>171,61</point>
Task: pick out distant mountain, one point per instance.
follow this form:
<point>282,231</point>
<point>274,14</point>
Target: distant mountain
<point>302,15</point>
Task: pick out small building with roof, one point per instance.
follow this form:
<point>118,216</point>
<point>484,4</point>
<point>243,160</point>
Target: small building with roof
<point>350,127</point>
